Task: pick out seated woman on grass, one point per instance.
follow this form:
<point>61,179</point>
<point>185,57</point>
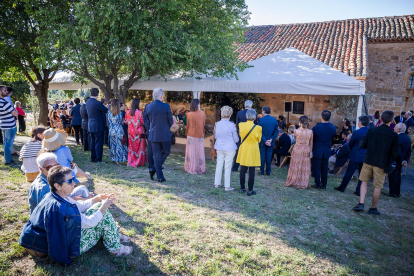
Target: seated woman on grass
<point>64,228</point>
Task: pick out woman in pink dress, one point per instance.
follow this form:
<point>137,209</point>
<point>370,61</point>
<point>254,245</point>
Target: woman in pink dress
<point>300,163</point>
<point>136,136</point>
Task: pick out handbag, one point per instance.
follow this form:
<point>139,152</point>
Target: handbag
<point>124,140</point>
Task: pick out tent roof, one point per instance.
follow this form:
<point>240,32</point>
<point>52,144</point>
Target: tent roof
<point>285,72</point>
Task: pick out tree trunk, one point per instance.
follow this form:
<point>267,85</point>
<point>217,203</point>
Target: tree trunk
<point>42,90</point>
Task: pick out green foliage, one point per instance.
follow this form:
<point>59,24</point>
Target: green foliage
<point>109,39</point>
<point>236,99</point>
<point>70,93</point>
<point>179,97</point>
<point>15,79</point>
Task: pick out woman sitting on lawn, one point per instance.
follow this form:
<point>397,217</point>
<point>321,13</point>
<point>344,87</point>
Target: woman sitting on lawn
<point>64,228</point>
<point>29,152</point>
<point>55,141</point>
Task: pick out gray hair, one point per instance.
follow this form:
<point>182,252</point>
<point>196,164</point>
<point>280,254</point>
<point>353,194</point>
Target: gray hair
<point>226,111</point>
<point>42,158</point>
<point>401,127</point>
<point>248,104</point>
<point>408,113</point>
<point>16,103</point>
<point>157,93</point>
<point>251,114</point>
<point>349,136</point>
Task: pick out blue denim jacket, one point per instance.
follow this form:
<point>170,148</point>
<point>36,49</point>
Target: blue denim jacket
<point>54,228</point>
<point>39,188</point>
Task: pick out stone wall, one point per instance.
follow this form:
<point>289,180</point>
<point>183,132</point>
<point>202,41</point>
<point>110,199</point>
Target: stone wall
<point>390,65</point>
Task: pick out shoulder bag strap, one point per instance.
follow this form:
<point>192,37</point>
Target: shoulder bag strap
<point>245,137</point>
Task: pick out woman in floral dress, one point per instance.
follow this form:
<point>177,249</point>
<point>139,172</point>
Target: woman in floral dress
<point>136,136</point>
<point>300,163</point>
<point>116,133</point>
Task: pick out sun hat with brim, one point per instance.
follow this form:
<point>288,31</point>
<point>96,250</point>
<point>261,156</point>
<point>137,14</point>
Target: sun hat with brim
<point>54,138</point>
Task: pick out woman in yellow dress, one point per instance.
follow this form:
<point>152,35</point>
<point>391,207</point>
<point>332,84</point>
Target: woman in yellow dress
<point>249,153</point>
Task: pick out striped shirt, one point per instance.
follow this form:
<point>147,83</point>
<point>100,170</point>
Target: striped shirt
<point>7,120</point>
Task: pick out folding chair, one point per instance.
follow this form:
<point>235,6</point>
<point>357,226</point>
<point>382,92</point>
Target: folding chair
<point>339,171</point>
<point>287,157</point>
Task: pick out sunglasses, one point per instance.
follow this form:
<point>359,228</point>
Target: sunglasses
<point>70,181</point>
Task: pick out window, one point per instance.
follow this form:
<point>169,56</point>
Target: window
<point>411,82</point>
<point>298,107</point>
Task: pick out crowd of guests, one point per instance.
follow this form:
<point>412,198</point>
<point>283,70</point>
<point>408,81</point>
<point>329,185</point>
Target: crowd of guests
<point>377,146</point>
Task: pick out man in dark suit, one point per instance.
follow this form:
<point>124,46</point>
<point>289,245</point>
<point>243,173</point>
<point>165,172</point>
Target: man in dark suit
<point>323,133</point>
<point>339,159</point>
<point>371,121</point>
<point>96,121</point>
<point>283,146</point>
<point>150,155</point>
<point>240,118</point>
<point>84,125</point>
<point>401,160</point>
<point>76,120</point>
<point>356,158</point>
<point>106,127</point>
<point>382,147</point>
<point>401,118</point>
<point>160,120</point>
<point>409,120</point>
<point>269,134</point>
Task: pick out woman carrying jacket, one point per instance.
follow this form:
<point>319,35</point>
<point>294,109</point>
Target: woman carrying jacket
<point>249,152</point>
<point>64,228</point>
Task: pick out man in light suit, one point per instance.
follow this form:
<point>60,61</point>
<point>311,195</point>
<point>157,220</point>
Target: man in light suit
<point>241,118</point>
<point>84,126</point>
<point>323,133</point>
<point>401,118</point>
<point>96,120</point>
<point>269,133</point>
<point>160,120</point>
<point>356,158</point>
<point>403,158</point>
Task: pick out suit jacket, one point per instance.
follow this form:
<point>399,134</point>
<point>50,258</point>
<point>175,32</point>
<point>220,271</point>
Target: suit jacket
<point>371,125</point>
<point>408,123</point>
<point>343,155</point>
<point>96,115</point>
<point>399,119</point>
<point>241,118</point>
<point>84,116</point>
<point>404,142</point>
<point>160,119</point>
<point>76,116</point>
<point>270,129</point>
<point>284,144</point>
<point>382,146</point>
<point>323,133</point>
<point>357,154</point>
<point>146,121</point>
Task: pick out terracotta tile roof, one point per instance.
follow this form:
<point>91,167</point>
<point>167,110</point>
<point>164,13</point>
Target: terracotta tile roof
<point>340,44</point>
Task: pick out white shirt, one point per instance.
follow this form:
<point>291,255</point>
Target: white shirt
<point>83,206</point>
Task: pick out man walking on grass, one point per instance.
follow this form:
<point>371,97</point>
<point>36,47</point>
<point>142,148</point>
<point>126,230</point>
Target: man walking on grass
<point>382,146</point>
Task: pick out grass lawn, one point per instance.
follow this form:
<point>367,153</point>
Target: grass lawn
<point>187,227</point>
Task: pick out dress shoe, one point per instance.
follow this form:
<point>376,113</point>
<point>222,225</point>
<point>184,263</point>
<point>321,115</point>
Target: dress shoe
<point>259,173</point>
<point>152,173</point>
<point>316,187</point>
<point>277,165</point>
<point>250,193</point>
<point>15,153</point>
<point>355,193</point>
<point>12,164</point>
<point>162,180</point>
<point>242,190</point>
<point>229,189</point>
<point>374,211</point>
<point>391,195</point>
<point>338,189</point>
<point>323,188</point>
<point>359,207</point>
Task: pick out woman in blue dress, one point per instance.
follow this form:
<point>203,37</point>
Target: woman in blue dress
<point>119,152</point>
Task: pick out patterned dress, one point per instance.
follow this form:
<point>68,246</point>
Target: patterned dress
<point>136,154</point>
<point>300,163</point>
<point>116,133</point>
<point>56,123</point>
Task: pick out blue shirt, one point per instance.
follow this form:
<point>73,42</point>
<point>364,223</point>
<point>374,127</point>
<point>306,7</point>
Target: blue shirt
<point>64,157</point>
<point>39,188</point>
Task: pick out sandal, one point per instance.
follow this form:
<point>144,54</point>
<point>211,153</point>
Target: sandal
<point>123,238</point>
<point>123,251</point>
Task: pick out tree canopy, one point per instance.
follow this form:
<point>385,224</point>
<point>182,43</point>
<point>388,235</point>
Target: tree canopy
<point>122,41</point>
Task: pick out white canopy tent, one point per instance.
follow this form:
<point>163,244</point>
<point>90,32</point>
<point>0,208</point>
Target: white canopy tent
<point>285,72</point>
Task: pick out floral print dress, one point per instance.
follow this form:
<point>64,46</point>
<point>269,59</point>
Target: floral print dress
<point>136,153</point>
<point>116,133</point>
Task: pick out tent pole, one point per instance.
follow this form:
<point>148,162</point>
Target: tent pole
<point>359,108</point>
<point>365,105</point>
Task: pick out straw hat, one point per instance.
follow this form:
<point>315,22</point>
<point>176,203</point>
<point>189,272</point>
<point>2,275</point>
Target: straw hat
<point>54,138</point>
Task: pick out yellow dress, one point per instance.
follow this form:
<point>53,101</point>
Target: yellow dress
<point>249,152</point>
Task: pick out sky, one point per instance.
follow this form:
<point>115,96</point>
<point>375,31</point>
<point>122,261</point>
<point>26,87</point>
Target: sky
<point>273,12</point>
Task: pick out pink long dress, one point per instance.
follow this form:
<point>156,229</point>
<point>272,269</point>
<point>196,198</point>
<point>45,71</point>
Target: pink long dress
<point>136,151</point>
<point>300,163</point>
